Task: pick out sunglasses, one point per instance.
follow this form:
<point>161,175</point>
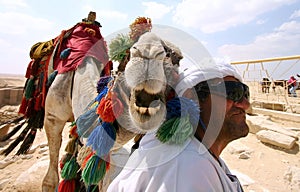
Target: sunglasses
<point>235,90</point>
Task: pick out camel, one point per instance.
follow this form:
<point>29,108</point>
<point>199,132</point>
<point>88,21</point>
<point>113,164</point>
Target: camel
<point>69,94</point>
<point>143,87</point>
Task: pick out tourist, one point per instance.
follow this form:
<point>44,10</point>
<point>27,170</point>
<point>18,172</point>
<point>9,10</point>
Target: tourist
<point>293,85</point>
<point>194,165</point>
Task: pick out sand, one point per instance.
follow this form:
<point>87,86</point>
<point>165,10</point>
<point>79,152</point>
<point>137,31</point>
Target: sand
<point>264,169</point>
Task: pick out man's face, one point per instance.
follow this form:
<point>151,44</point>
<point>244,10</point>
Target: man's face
<point>234,124</point>
<point>228,124</point>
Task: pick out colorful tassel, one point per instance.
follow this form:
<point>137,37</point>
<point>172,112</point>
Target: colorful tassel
<point>166,130</point>
<point>73,130</point>
<point>101,94</point>
<point>71,145</point>
<point>183,131</point>
<point>102,83</point>
<point>38,102</point>
<point>94,170</point>
<point>87,122</point>
<point>29,88</point>
<point>102,138</point>
<point>51,78</point>
<point>65,53</point>
<point>175,130</point>
<point>23,106</point>
<point>110,108</point>
<point>86,159</point>
<point>181,121</point>
<point>67,186</point>
<point>65,158</point>
<point>70,169</point>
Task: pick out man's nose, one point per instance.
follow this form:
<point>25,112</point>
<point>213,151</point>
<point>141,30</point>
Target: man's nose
<point>244,103</point>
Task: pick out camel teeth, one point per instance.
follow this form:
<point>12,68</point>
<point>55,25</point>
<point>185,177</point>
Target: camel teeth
<point>135,107</point>
<point>143,110</point>
<point>153,110</point>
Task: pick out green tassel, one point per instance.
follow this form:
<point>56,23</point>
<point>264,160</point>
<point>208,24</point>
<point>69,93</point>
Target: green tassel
<point>70,169</point>
<point>183,131</point>
<point>166,130</point>
<point>29,89</point>
<point>175,131</point>
<point>94,170</point>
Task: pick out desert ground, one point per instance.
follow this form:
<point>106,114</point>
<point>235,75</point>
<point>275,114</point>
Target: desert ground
<point>261,167</point>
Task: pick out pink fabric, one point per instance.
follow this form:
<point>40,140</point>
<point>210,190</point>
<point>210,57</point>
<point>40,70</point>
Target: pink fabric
<point>82,44</point>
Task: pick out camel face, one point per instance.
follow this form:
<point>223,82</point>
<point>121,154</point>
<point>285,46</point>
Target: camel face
<point>145,75</point>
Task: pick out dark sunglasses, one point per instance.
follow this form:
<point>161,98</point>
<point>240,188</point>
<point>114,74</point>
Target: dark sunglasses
<point>235,90</point>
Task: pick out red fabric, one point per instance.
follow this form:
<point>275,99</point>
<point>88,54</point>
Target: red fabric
<point>23,106</point>
<point>108,67</point>
<point>28,70</point>
<point>82,43</point>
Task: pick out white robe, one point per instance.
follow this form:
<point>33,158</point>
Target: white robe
<point>157,167</point>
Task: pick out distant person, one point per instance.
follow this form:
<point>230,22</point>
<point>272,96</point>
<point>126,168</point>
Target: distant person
<point>265,85</point>
<point>195,165</point>
<point>292,82</point>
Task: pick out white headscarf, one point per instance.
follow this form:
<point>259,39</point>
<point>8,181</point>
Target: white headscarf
<point>193,75</point>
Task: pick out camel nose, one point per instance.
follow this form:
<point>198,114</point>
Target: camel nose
<point>146,64</point>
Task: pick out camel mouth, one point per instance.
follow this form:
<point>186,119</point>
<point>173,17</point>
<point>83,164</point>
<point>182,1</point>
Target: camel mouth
<point>145,103</point>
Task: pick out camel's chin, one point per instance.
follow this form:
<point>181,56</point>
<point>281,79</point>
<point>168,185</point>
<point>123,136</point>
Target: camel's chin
<point>146,122</point>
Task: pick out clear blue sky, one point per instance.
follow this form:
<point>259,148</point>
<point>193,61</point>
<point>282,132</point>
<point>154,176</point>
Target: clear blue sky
<point>234,29</point>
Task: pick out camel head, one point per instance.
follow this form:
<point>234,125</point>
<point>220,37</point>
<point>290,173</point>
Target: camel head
<point>150,75</point>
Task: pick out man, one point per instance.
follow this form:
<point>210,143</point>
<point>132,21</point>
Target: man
<point>196,164</point>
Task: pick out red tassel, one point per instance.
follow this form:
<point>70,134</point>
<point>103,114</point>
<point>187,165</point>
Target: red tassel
<point>73,131</point>
<point>107,160</point>
<point>110,108</point>
<point>67,186</point>
<point>38,102</point>
<point>29,109</point>
<point>23,106</point>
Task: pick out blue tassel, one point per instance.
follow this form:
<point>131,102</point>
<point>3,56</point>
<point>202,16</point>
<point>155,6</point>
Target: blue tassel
<point>102,94</point>
<point>51,78</point>
<point>65,53</point>
<point>102,83</point>
<point>182,107</point>
<point>173,108</point>
<point>87,122</point>
<point>190,108</point>
<point>102,139</point>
